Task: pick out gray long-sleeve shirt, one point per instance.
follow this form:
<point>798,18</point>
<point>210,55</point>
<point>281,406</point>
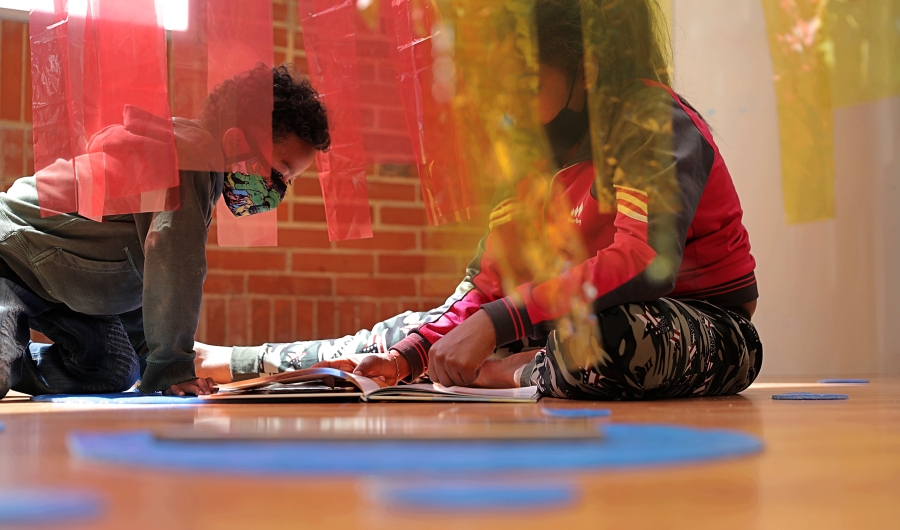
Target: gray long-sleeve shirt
<point>154,260</point>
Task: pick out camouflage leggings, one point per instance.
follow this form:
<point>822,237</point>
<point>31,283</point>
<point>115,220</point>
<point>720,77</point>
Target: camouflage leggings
<point>662,349</point>
<point>653,350</point>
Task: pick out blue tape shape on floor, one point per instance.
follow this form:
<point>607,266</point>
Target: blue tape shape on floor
<point>844,381</point>
<point>477,496</point>
<point>121,398</point>
<point>37,506</point>
<point>2,426</point>
<point>576,413</point>
<point>622,446</point>
<point>806,396</point>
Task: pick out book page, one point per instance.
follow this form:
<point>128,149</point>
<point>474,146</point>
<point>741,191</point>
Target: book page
<point>438,389</point>
<point>326,375</point>
<point>521,392</point>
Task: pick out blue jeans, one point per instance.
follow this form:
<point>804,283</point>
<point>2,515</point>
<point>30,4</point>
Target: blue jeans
<point>90,354</point>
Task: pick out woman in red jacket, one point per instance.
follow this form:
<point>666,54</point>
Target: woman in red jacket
<point>665,278</point>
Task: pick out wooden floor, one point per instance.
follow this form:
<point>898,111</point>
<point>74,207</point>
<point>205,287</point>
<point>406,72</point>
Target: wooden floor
<point>826,465</point>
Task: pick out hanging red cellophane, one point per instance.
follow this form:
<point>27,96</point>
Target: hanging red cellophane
<point>329,38</point>
<point>54,150</point>
<point>227,39</point>
<point>422,53</point>
<point>104,142</point>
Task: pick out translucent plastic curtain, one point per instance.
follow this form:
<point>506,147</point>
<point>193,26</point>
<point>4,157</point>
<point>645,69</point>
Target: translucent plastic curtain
<point>825,54</point>
<point>226,39</point>
<point>330,42</point>
<point>805,107</point>
<point>104,62</point>
<point>51,120</point>
<point>495,56</point>
<point>423,58</point>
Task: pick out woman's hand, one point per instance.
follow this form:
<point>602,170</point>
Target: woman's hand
<point>379,366</point>
<point>456,359</point>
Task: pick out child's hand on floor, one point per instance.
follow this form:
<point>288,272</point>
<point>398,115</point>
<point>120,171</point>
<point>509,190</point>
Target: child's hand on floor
<point>196,387</point>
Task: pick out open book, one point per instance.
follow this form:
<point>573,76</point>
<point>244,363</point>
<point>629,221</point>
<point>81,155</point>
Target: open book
<point>328,383</point>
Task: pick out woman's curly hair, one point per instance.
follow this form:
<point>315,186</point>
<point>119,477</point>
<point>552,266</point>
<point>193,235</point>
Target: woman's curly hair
<point>296,108</point>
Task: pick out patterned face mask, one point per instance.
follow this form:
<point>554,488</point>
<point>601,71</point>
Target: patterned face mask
<point>247,192</point>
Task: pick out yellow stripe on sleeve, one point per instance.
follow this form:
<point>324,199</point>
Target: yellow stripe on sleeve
<point>631,213</point>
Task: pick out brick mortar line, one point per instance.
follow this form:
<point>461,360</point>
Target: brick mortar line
<point>321,226</point>
<point>317,275</point>
<point>26,64</point>
<point>21,125</point>
<point>329,299</point>
<point>398,203</point>
<point>364,252</point>
<point>412,180</point>
<point>292,30</point>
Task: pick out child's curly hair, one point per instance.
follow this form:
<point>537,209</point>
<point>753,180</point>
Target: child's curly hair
<point>296,108</point>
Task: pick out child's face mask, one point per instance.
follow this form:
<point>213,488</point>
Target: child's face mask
<point>246,191</point>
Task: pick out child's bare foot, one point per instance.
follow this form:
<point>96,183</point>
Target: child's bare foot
<point>502,373</point>
<point>213,361</point>
<point>493,375</point>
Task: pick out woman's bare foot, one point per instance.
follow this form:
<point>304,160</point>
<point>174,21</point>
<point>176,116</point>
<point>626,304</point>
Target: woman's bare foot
<point>213,361</point>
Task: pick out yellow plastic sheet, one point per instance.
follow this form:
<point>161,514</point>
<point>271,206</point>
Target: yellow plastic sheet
<point>495,56</point>
<point>800,52</point>
<point>496,60</point>
<point>862,47</point>
<point>605,26</point>
<point>826,54</point>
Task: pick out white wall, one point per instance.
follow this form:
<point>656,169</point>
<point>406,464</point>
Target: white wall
<point>829,291</point>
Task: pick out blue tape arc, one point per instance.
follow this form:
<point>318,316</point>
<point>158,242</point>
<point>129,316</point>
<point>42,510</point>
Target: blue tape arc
<point>622,446</point>
<point>479,497</point>
<point>47,505</point>
<point>807,396</point>
<point>576,413</point>
<point>844,381</point>
<point>121,398</point>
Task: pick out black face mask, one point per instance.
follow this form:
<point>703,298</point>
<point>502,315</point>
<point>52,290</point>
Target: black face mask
<point>567,127</point>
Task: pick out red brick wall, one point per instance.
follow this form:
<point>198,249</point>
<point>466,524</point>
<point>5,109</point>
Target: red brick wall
<point>307,287</point>
<point>15,103</point>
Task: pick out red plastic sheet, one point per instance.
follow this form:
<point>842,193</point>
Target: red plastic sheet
<point>104,142</point>
<point>426,75</point>
<point>51,120</point>
<point>330,42</point>
<point>225,39</point>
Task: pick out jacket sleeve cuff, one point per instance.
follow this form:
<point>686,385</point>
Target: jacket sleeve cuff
<point>160,376</point>
<point>244,362</point>
<point>414,348</point>
<point>511,323</point>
